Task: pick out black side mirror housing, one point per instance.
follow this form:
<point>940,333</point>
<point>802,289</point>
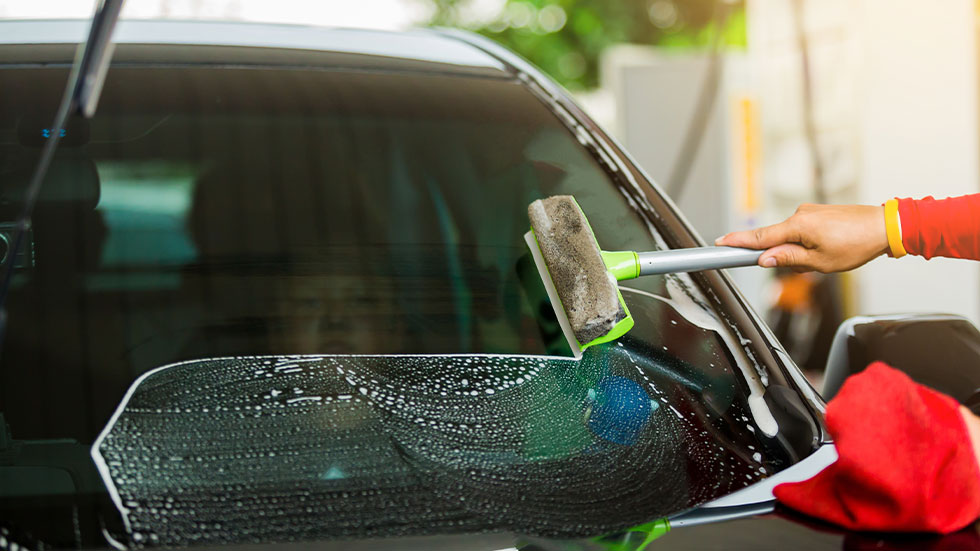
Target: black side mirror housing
<point>941,351</point>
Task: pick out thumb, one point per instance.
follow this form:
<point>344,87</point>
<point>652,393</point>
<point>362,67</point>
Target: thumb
<point>761,238</point>
<point>789,255</point>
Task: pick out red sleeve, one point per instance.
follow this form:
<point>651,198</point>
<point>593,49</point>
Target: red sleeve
<point>948,227</point>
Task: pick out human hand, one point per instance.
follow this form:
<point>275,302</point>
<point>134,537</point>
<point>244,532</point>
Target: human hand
<point>825,238</point>
<point>972,423</point>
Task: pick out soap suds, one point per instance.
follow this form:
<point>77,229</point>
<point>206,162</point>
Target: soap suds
<point>690,310</point>
<point>362,446</point>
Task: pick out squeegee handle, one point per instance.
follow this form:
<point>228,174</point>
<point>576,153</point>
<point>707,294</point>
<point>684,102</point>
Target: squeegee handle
<point>696,259</point>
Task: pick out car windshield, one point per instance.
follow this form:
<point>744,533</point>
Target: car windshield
<point>312,282</point>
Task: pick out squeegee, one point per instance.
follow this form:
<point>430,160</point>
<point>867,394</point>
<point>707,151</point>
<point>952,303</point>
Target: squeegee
<point>581,279</point>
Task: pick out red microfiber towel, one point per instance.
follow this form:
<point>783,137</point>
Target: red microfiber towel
<point>905,460</point>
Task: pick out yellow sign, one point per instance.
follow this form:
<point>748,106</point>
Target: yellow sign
<point>745,154</point>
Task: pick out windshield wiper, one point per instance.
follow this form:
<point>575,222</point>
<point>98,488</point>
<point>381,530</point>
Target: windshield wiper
<point>81,97</point>
<point>93,61</point>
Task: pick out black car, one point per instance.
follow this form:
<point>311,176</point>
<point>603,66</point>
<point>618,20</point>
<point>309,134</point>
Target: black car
<point>276,291</point>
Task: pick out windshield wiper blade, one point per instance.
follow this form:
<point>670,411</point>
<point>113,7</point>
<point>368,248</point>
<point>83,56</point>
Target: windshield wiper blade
<point>93,61</point>
<point>81,97</point>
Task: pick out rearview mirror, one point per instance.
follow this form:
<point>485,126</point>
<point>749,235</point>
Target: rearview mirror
<point>941,351</point>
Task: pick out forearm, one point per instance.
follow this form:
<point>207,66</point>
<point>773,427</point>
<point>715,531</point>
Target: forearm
<point>836,238</point>
<point>947,227</point>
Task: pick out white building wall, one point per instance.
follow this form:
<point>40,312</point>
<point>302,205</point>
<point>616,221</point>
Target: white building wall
<point>895,91</point>
<point>919,105</point>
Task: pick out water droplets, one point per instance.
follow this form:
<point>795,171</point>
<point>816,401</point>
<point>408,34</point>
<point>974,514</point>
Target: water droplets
<point>305,448</point>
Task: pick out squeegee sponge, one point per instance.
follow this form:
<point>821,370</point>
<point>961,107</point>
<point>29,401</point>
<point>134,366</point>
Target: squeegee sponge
<point>587,290</point>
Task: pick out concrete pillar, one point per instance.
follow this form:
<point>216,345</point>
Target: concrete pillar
<point>655,93</point>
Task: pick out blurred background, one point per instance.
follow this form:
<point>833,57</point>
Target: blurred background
<point>740,110</point>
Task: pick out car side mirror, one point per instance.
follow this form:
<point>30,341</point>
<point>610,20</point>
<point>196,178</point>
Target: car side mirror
<point>941,351</point>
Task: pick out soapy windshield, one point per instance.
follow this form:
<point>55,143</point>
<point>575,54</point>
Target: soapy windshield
<point>345,446</point>
<point>376,218</point>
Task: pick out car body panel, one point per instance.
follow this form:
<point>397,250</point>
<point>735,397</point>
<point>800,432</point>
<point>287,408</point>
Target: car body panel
<point>414,45</point>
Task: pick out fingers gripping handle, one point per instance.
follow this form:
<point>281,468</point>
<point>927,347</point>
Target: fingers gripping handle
<point>696,259</point>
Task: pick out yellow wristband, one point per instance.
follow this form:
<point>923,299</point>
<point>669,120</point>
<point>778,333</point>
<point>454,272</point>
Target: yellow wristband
<point>893,230</point>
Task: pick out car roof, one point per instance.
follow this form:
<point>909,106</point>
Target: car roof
<point>447,50</point>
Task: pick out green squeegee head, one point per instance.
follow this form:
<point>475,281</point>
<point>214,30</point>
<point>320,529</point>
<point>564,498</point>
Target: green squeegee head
<point>581,280</point>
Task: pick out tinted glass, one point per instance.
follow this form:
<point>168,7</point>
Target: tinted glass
<point>212,212</point>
